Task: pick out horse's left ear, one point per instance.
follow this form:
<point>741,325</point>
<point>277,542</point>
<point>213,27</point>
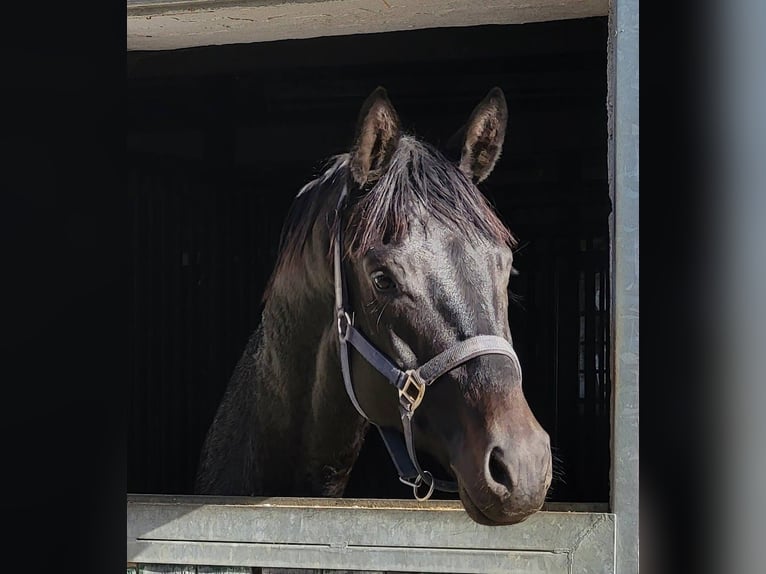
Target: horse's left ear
<point>377,135</point>
<point>480,140</point>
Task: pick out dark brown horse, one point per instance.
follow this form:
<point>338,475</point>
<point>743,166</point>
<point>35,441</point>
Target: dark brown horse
<point>388,307</point>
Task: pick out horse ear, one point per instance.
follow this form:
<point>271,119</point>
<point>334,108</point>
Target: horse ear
<point>480,140</point>
<point>377,135</point>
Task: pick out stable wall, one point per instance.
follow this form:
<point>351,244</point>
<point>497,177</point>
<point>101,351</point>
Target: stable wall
<point>221,138</point>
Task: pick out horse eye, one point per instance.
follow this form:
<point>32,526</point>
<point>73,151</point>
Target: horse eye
<point>382,281</point>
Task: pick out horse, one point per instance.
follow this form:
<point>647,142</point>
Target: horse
<point>388,307</point>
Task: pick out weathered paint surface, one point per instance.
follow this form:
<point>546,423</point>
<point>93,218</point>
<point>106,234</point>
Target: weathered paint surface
<point>167,25</point>
<point>400,536</point>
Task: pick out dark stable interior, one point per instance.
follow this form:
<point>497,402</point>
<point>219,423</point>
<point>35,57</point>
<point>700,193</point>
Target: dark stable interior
<point>221,138</point>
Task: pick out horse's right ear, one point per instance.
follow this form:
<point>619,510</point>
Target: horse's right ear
<point>377,135</point>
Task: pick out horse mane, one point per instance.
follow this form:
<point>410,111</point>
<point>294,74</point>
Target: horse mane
<point>309,203</point>
<point>418,177</point>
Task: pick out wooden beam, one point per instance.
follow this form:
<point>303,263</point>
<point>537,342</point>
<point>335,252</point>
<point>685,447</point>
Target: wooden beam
<point>167,24</point>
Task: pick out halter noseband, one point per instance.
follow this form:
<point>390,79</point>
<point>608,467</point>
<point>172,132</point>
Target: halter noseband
<point>411,384</point>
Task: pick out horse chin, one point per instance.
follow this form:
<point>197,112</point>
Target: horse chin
<point>489,517</point>
<point>482,517</point>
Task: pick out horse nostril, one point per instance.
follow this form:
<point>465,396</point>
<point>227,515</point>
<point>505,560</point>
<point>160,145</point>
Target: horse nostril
<point>498,470</point>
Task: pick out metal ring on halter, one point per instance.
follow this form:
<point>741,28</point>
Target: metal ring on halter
<point>343,332</point>
<point>419,481</point>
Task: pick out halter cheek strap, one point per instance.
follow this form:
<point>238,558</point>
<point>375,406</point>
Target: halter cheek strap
<point>411,384</point>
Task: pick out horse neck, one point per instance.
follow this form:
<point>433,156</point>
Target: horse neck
<point>319,432</point>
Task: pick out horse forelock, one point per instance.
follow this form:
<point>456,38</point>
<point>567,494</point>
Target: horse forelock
<point>419,180</point>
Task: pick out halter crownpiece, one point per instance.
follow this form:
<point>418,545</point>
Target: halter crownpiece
<point>410,384</point>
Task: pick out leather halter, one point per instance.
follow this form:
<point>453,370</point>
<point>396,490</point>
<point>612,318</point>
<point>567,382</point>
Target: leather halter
<point>412,383</point>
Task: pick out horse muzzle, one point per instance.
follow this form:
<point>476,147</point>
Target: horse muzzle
<point>504,470</point>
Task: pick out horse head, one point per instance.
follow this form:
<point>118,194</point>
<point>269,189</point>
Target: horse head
<point>427,264</point>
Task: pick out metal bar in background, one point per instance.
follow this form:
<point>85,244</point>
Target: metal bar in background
<point>624,184</point>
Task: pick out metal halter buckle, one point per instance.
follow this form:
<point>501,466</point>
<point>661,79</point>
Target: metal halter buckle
<point>411,400</point>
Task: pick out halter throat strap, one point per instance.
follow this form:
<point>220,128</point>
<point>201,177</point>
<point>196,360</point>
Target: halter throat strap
<point>411,384</point>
